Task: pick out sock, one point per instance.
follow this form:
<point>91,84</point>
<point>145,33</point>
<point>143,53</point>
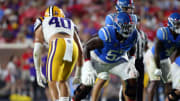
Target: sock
<point>64,99</point>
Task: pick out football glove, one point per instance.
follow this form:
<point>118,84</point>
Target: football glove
<point>88,74</point>
<point>40,78</point>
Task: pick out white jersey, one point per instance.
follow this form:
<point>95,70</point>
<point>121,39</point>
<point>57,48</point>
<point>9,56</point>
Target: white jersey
<point>54,25</point>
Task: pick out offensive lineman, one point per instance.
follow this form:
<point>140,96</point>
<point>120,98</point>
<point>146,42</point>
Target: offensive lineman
<point>64,51</point>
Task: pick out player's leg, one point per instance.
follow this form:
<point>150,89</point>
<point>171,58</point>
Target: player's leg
<point>128,74</point>
<point>97,89</point>
<point>49,72</point>
<point>151,89</point>
<point>59,70</point>
<point>174,95</point>
<point>151,67</point>
<point>65,71</point>
<point>53,90</point>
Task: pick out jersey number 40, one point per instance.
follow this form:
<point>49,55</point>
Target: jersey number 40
<point>60,22</point>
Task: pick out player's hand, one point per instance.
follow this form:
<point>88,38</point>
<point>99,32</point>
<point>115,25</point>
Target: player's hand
<point>77,76</point>
<point>40,78</point>
<point>88,74</point>
<point>158,72</point>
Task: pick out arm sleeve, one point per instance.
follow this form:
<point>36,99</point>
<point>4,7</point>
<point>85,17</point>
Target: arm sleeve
<point>37,55</point>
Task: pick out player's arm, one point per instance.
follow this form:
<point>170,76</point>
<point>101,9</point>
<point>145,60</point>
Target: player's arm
<point>93,43</point>
<point>38,46</point>
<point>78,42</point>
<point>80,59</point>
<point>158,47</point>
<point>89,73</point>
<point>175,54</point>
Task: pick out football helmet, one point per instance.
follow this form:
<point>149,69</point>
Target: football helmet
<point>54,11</point>
<point>174,22</point>
<point>124,6</point>
<point>124,24</point>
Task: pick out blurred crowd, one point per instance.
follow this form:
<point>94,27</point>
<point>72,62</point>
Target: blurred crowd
<point>17,21</point>
<point>17,16</point>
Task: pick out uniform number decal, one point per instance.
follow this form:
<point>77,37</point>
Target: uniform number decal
<point>60,22</point>
<point>113,55</point>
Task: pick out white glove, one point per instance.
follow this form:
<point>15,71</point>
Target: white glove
<point>40,78</point>
<point>158,72</point>
<point>77,76</point>
<point>88,74</point>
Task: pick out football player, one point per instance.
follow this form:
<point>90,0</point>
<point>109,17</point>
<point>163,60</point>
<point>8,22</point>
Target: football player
<point>64,51</point>
<point>121,6</point>
<point>107,53</point>
<point>167,41</point>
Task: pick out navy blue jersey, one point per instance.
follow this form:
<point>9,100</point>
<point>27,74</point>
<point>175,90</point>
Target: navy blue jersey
<point>169,44</point>
<point>113,49</point>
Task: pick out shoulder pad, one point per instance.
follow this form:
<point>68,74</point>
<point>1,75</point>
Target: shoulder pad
<point>109,19</point>
<point>38,23</point>
<point>105,33</point>
<point>162,33</point>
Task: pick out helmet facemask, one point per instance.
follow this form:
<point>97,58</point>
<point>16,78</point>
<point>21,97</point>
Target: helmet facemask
<point>174,25</point>
<point>125,29</point>
<point>121,7</point>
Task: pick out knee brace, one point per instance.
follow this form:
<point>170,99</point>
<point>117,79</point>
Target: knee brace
<point>174,97</point>
<point>130,91</point>
<point>81,92</point>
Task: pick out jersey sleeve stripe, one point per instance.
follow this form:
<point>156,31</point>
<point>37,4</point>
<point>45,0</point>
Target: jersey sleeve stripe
<point>108,34</point>
<point>41,19</point>
<point>166,34</point>
<point>163,33</point>
<point>104,32</point>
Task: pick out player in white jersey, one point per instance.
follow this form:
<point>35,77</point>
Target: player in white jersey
<point>64,51</point>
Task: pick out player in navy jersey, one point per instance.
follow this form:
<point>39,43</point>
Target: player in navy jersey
<point>107,53</point>
<point>174,95</point>
<point>167,41</point>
